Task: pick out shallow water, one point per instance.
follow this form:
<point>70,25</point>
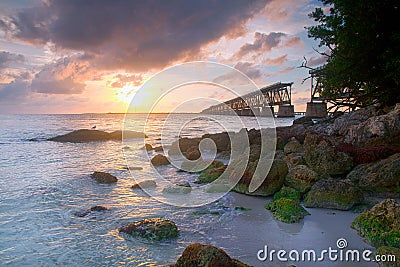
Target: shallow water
<point>44,183</point>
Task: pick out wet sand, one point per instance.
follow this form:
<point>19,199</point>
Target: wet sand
<point>250,231</point>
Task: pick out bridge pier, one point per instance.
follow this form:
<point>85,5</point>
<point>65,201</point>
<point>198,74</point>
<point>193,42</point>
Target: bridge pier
<point>286,111</point>
<point>316,110</point>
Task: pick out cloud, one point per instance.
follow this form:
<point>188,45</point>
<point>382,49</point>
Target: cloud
<point>124,79</point>
<point>65,76</point>
<point>252,71</point>
<point>293,41</point>
<point>138,35</point>
<point>12,94</point>
<point>275,61</point>
<point>317,61</point>
<point>262,43</point>
<point>6,58</point>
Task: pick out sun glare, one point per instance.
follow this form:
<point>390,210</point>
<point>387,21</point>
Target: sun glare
<point>126,93</point>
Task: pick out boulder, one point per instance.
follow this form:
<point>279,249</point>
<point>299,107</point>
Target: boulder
<point>368,154</point>
<point>147,147</point>
<point>284,134</point>
<point>193,153</point>
<point>272,183</point>
<point>380,176</point>
<point>301,178</point>
<point>177,189</point>
<point>158,149</point>
<point>380,226</point>
<point>287,210</point>
<point>288,192</point>
<point>84,135</point>
<point>144,184</point>
<point>199,255</point>
<point>294,159</point>
<point>293,146</point>
<point>333,194</point>
<point>221,140</point>
<point>104,177</point>
<point>183,144</point>
<point>305,121</point>
<point>159,160</point>
<point>153,229</point>
<point>385,250</point>
<point>210,175</point>
<point>383,129</point>
<point>321,156</point>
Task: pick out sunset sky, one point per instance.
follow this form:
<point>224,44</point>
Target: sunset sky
<point>77,56</point>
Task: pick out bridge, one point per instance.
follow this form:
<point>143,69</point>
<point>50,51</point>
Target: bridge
<point>278,94</point>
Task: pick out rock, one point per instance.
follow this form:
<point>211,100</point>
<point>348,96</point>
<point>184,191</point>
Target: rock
<point>83,135</point>
<point>217,188</point>
<point>321,156</point>
<point>305,121</point>
<point>148,147</point>
<point>272,183</point>
<point>83,213</point>
<point>210,175</point>
<point>199,255</point>
<point>153,229</point>
<point>185,184</point>
<point>293,146</point>
<point>221,140</point>
<point>385,128</point>
<point>340,124</point>
<point>367,154</point>
<point>177,189</point>
<point>333,194</point>
<point>301,178</point>
<point>279,154</point>
<point>159,160</point>
<point>183,144</point>
<point>380,226</point>
<point>294,159</point>
<point>284,134</point>
<point>193,153</point>
<point>288,192</point>
<point>158,149</point>
<point>104,177</point>
<point>385,250</point>
<point>380,176</point>
<point>287,210</point>
<point>144,184</point>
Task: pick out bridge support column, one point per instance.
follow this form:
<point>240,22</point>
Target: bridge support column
<point>316,110</point>
<point>286,111</point>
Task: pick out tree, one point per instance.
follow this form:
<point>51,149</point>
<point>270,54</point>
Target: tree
<point>364,41</point>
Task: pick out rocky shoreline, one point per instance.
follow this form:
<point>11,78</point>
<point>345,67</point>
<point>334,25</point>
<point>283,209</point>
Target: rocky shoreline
<point>349,161</point>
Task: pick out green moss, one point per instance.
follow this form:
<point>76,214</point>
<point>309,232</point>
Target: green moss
<point>286,210</point>
<point>205,212</point>
<point>288,192</point>
<point>380,226</point>
<point>153,229</point>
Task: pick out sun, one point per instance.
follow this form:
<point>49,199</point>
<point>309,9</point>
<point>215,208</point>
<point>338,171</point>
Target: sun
<point>126,93</point>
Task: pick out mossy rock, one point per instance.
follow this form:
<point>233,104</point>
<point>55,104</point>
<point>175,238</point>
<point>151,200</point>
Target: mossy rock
<point>333,194</point>
<point>293,146</point>
<point>287,210</point>
<point>385,250</point>
<point>272,183</point>
<point>380,176</point>
<point>199,255</point>
<point>217,188</point>
<point>153,229</point>
<point>380,226</point>
<point>321,156</point>
<point>301,178</point>
<point>210,175</point>
<point>288,192</point>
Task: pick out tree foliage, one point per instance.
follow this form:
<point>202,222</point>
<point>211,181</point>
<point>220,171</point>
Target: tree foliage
<point>364,41</point>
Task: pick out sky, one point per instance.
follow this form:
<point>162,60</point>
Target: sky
<point>73,56</point>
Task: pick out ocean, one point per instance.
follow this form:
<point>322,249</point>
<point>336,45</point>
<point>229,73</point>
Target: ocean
<point>44,183</point>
